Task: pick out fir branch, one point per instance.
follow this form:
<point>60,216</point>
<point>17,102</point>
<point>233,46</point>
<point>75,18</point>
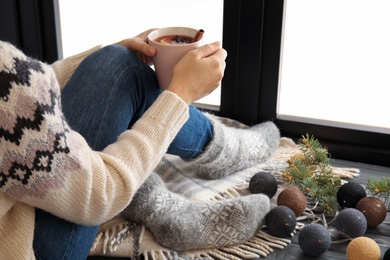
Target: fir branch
<point>379,188</point>
<point>311,173</point>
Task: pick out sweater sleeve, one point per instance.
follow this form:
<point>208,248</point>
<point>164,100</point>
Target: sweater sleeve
<point>64,68</point>
<point>47,165</point>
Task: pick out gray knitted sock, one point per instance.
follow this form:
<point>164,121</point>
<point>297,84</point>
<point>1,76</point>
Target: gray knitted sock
<point>181,224</point>
<point>233,149</point>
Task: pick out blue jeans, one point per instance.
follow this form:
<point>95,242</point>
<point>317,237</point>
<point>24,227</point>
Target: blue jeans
<point>107,94</point>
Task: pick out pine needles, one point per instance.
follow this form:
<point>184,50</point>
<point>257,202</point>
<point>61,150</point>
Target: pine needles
<point>379,188</point>
<point>311,172</point>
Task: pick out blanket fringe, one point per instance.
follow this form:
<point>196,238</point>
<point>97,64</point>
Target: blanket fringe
<point>232,193</point>
<point>261,245</point>
<point>159,254</point>
<point>216,253</point>
<point>112,237</point>
<point>241,251</point>
<point>260,248</point>
<point>272,241</point>
<point>347,173</point>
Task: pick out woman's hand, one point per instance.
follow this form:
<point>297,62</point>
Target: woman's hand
<point>138,44</point>
<point>199,72</point>
<point>196,75</point>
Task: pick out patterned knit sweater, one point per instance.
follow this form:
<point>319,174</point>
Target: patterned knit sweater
<point>44,164</point>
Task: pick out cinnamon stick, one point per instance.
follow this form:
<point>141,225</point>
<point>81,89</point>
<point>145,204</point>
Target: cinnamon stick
<point>198,35</point>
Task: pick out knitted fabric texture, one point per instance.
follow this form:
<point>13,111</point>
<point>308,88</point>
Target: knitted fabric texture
<point>33,131</point>
<point>44,164</point>
<point>180,177</point>
<point>121,238</point>
<point>182,224</point>
<point>31,148</point>
<point>236,147</point>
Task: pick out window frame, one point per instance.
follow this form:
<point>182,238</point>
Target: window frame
<point>32,27</point>
<point>348,144</point>
<point>242,38</point>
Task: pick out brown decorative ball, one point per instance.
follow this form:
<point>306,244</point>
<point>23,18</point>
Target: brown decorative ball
<point>294,199</point>
<point>373,209</point>
<point>363,248</point>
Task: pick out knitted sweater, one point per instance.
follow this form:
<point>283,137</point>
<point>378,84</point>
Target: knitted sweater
<point>44,164</point>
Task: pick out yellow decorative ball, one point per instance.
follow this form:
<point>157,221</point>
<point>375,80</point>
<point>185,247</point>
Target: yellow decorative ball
<point>363,248</point>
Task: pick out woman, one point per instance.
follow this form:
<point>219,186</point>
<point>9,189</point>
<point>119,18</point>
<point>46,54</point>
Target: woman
<point>56,188</point>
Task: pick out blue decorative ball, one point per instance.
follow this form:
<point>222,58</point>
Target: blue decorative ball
<point>263,182</point>
<point>349,194</point>
<point>314,239</point>
<point>351,222</point>
<point>281,221</point>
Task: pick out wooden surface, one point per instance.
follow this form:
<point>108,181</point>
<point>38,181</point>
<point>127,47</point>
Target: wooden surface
<point>337,250</point>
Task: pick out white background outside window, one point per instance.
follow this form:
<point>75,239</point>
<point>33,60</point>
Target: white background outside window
<point>87,23</point>
<point>336,63</point>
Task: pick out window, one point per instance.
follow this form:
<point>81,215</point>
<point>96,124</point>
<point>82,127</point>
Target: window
<point>104,22</point>
<point>344,138</point>
<point>335,64</point>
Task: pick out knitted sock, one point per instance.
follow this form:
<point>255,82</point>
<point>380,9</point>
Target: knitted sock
<point>233,149</point>
<point>181,224</point>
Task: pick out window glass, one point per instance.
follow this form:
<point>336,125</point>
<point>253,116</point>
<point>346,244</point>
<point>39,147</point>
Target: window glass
<point>87,23</point>
<point>335,63</point>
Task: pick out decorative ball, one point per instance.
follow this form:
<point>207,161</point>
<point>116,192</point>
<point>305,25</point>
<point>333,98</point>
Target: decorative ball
<point>386,256</point>
<point>263,182</point>
<point>349,194</point>
<point>363,248</point>
<point>281,221</point>
<point>351,222</point>
<point>373,209</point>
<point>314,239</point>
<point>293,198</point>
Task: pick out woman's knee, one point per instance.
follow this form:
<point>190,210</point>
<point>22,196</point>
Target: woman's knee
<point>114,51</point>
<point>116,56</point>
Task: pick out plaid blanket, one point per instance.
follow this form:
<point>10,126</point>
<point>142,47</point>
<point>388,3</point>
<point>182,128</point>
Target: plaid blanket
<point>120,238</point>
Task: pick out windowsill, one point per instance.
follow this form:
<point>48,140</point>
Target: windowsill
<point>207,107</point>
